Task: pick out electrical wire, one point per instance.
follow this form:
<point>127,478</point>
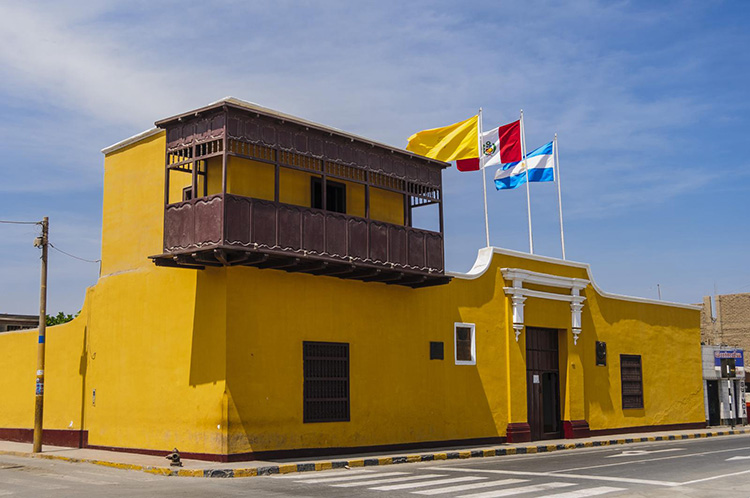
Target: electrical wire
<point>73,256</point>
<point>21,222</point>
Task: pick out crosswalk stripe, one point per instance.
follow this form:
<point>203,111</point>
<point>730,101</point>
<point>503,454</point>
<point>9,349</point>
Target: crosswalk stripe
<point>316,475</point>
<point>466,487</point>
<point>521,490</point>
<point>384,481</point>
<point>352,478</point>
<point>427,483</point>
<point>5,493</point>
<point>602,490</point>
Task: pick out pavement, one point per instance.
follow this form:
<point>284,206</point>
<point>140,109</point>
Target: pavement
<point>199,468</point>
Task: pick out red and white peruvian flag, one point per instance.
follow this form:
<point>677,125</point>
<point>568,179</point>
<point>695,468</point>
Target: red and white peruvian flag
<point>500,145</point>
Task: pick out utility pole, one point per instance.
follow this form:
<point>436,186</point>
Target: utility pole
<point>42,242</point>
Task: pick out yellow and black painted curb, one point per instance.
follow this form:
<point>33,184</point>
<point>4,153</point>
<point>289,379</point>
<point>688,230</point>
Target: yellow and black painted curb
<point>373,462</point>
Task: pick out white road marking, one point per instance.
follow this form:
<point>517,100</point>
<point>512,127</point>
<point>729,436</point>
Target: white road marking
<point>737,458</point>
<point>559,472</point>
<point>714,477</point>
<point>413,485</point>
<point>518,491</point>
<point>330,473</point>
<point>5,493</point>
<point>467,487</point>
<point>642,452</point>
<point>558,475</point>
<point>384,481</point>
<point>602,490</point>
<point>351,478</point>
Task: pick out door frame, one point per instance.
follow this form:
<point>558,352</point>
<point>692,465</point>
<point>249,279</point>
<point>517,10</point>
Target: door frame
<point>541,361</point>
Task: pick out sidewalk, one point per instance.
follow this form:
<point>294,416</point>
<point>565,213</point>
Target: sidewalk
<point>201,468</point>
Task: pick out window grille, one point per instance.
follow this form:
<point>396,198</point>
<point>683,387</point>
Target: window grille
<point>631,377</point>
<point>326,382</point>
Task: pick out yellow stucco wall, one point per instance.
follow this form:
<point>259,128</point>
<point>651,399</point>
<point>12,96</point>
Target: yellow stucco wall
<point>399,395</point>
<point>65,374</point>
<point>210,361</point>
<point>256,179</point>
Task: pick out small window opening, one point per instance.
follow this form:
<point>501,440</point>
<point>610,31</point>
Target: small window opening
<point>335,195</point>
<point>465,345</point>
<point>187,193</point>
<point>436,350</point>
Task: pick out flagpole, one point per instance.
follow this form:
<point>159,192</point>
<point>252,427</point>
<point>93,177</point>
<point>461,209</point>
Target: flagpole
<point>484,179</point>
<point>559,196</point>
<point>526,167</point>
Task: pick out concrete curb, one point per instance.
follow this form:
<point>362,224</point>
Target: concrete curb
<point>376,461</point>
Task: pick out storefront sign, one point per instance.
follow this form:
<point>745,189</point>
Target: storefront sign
<point>736,354</point>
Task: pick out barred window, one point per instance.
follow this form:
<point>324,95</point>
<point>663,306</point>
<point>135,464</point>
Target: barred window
<point>465,346</point>
<point>326,381</point>
<point>631,377</point>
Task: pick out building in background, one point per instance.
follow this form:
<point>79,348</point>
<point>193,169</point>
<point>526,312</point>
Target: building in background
<point>264,291</point>
<point>726,321</point>
<point>18,322</point>
<point>724,385</point>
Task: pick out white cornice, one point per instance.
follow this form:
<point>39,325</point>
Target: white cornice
<point>532,277</point>
<point>484,259</point>
<point>516,291</point>
<point>128,141</point>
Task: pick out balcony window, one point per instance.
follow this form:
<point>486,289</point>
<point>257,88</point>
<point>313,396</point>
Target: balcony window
<point>335,195</point>
<point>244,187</point>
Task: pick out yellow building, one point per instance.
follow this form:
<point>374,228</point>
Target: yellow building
<point>263,293</point>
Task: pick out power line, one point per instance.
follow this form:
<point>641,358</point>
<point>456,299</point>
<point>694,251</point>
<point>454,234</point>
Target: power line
<point>73,256</point>
<point>21,222</point>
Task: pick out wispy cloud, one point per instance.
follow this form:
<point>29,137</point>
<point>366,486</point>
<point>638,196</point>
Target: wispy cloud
<point>628,86</point>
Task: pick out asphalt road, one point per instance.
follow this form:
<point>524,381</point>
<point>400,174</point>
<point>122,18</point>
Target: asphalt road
<point>699,467</point>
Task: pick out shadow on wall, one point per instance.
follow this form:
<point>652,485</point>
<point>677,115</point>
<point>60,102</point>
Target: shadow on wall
<point>208,353</point>
<point>397,394</point>
<point>82,370</point>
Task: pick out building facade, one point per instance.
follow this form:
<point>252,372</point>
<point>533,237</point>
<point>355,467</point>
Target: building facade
<point>724,385</point>
<point>725,320</point>
<point>264,292</point>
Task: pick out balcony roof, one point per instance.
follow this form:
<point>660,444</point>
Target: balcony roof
<point>233,102</point>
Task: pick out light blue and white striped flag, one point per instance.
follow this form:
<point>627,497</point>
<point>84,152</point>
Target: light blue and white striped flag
<point>541,169</point>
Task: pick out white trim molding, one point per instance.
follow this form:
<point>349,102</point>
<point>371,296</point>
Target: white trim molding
<point>518,294</point>
<point>484,260</point>
<point>472,329</point>
<point>129,141</point>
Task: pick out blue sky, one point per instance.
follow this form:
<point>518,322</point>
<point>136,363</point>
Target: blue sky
<point>650,100</point>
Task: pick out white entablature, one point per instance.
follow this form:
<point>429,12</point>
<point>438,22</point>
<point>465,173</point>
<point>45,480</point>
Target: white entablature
<point>518,294</point>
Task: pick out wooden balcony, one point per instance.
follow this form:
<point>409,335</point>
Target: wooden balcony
<point>226,230</point>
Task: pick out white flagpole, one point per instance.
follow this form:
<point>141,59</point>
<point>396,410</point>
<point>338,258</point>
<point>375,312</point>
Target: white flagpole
<point>559,196</point>
<point>484,179</point>
<point>526,167</point>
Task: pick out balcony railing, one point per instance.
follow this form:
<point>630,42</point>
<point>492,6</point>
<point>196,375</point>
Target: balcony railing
<point>229,229</point>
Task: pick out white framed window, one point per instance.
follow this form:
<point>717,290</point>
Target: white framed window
<point>464,344</point>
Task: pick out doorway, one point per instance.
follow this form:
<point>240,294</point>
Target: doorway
<point>714,407</point>
<point>543,383</point>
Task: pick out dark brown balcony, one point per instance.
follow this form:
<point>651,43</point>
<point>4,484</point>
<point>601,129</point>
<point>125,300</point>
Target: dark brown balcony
<point>226,229</point>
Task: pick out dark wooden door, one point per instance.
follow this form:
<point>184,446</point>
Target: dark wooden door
<point>543,383</point>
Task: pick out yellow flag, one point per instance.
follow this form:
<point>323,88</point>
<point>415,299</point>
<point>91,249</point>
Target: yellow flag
<point>450,143</point>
